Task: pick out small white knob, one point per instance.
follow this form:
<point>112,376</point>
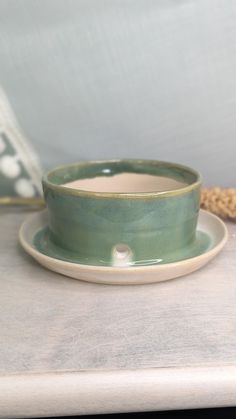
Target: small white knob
<point>121,255</point>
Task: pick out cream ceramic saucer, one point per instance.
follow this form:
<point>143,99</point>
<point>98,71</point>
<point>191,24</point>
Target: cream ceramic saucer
<point>207,223</point>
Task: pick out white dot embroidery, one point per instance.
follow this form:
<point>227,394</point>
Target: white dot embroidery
<point>9,166</point>
<point>24,188</point>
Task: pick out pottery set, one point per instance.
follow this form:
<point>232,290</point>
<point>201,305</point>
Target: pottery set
<point>123,222</point>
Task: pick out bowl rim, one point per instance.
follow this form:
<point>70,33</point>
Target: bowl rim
<point>122,195</point>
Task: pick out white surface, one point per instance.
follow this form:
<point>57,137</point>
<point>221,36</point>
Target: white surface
<point>69,346</point>
<point>135,78</point>
<point>116,391</point>
<point>123,275</point>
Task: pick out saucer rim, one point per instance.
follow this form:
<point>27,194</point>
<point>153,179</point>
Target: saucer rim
<point>31,250</point>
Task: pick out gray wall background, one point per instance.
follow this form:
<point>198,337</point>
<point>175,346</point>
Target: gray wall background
<point>94,79</point>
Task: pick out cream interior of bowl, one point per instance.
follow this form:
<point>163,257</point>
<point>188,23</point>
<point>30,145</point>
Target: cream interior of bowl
<point>126,183</point>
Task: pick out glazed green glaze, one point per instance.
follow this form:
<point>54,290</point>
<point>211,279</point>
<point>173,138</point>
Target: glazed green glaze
<point>44,244</point>
<point>153,225</point>
<point>84,170</point>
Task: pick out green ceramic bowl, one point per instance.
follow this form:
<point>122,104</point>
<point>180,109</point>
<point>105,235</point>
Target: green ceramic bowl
<point>122,212</point>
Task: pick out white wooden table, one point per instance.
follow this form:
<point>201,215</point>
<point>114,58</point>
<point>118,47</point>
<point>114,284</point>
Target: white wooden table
<point>69,347</point>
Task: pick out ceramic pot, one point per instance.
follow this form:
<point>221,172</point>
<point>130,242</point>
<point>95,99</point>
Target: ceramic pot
<point>123,211</point>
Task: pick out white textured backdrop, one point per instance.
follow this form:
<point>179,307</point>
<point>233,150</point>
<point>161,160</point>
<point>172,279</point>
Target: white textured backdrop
<point>124,78</point>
